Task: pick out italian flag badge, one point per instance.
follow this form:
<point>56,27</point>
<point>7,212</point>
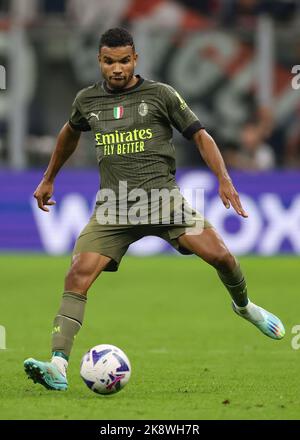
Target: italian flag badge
<point>118,112</point>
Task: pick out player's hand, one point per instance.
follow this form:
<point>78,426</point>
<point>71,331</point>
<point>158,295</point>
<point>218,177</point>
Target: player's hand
<point>230,196</point>
<point>43,195</point>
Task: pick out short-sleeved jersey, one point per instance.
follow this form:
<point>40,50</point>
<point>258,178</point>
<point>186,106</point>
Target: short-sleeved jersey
<point>133,132</point>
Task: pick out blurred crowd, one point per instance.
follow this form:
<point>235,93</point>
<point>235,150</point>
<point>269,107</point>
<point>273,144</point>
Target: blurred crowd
<point>226,12</point>
<point>259,143</point>
<point>260,147</point>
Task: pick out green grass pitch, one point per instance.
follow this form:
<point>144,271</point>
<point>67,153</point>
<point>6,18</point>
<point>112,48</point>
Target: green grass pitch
<point>191,356</point>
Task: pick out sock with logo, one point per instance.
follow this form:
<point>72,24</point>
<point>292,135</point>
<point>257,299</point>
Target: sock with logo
<point>235,283</point>
<point>66,325</point>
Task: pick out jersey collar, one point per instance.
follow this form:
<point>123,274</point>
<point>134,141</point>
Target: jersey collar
<point>119,92</point>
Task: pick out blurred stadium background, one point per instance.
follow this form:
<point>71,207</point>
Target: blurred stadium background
<point>231,60</point>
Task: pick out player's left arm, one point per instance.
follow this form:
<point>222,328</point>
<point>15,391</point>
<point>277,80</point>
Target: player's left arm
<point>213,158</point>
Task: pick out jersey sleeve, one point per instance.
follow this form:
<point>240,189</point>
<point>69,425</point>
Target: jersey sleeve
<point>179,114</point>
<point>77,121</point>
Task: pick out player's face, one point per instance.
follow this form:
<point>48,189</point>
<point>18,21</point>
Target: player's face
<point>117,65</point>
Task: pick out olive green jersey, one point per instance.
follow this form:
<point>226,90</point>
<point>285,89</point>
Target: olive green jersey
<point>133,132</point>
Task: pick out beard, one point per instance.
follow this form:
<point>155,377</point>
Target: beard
<point>118,84</point>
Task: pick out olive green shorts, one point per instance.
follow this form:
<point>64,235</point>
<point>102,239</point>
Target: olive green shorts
<point>113,240</point>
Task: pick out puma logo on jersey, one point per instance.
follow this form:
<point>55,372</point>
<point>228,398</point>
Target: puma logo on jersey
<point>96,115</point>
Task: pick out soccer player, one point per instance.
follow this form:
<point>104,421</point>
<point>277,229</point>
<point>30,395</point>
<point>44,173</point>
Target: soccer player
<point>132,118</point>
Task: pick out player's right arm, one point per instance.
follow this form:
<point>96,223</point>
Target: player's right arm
<point>66,144</point>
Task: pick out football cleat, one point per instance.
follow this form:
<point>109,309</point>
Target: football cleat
<point>45,373</point>
<point>267,323</point>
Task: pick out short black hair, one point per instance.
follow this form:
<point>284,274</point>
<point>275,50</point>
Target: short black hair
<point>116,37</point>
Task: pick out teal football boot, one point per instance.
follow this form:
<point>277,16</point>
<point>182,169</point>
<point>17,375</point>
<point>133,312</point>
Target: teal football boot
<point>45,373</point>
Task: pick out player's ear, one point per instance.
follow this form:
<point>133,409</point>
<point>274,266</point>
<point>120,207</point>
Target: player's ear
<point>135,58</point>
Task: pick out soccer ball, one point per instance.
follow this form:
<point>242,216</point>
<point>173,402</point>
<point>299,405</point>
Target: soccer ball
<point>105,369</point>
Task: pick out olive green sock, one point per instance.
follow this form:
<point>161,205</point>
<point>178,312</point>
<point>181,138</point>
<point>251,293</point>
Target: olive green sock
<point>235,283</point>
<point>68,322</point>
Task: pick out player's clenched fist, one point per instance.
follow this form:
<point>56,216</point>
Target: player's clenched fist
<point>43,195</point>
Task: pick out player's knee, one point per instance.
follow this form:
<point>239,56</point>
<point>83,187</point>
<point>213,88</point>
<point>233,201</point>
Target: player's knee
<point>223,261</point>
<point>78,280</point>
